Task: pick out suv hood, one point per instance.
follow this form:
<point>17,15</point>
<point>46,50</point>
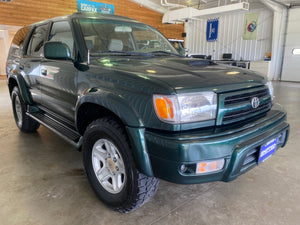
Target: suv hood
<point>185,74</point>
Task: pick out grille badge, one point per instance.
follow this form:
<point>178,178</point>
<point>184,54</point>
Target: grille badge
<point>255,102</point>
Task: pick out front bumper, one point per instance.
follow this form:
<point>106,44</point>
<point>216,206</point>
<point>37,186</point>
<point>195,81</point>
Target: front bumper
<point>238,144</point>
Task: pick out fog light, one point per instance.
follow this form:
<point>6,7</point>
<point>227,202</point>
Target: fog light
<point>183,168</point>
<point>210,166</point>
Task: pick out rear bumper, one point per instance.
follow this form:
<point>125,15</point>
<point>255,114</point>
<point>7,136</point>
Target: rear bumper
<point>238,144</point>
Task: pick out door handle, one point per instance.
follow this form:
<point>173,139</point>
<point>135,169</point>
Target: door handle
<point>44,72</point>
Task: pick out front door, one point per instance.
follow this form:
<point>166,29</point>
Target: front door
<point>59,77</point>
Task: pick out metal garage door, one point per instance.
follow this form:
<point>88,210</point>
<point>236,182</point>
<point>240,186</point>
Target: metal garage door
<point>291,62</point>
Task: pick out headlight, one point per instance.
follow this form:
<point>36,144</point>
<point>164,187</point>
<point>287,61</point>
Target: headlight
<point>271,89</point>
<point>186,108</point>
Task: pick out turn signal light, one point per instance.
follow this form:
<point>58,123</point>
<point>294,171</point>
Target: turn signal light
<point>164,108</point>
<point>210,166</point>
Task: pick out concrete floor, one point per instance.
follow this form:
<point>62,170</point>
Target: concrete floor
<point>42,182</point>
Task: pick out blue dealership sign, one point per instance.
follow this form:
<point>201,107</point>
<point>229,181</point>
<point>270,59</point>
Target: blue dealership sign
<point>212,29</point>
<point>95,7</point>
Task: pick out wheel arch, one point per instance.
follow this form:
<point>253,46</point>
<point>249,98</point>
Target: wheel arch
<point>105,103</point>
<point>18,80</point>
<point>94,106</point>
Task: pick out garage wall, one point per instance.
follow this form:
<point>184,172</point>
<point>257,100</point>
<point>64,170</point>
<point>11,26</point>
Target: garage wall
<point>4,47</point>
<point>291,63</point>
<point>2,55</point>
<point>230,37</point>
<point>23,12</point>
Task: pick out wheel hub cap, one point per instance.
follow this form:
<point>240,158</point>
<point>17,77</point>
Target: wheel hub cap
<point>111,165</point>
<point>108,166</point>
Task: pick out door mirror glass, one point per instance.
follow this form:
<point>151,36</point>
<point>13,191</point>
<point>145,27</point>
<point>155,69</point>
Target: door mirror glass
<point>57,50</point>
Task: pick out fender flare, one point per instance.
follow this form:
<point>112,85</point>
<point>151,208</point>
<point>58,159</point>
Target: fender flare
<point>117,104</point>
<point>113,102</point>
<point>25,94</point>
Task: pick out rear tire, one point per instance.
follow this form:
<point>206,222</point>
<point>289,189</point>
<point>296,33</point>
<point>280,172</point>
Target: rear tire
<point>110,167</point>
<point>23,121</point>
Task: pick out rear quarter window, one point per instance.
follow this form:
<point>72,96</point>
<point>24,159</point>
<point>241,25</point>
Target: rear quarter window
<point>16,48</point>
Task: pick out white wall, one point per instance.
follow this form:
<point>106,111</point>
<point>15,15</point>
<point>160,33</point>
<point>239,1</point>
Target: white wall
<point>291,63</point>
<point>230,37</point>
<point>6,35</point>
<point>260,66</point>
<point>4,46</point>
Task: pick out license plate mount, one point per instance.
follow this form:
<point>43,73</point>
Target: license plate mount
<point>267,150</point>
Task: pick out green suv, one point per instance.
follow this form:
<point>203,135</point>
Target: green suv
<point>118,90</point>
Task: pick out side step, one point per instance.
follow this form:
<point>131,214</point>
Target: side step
<point>58,127</point>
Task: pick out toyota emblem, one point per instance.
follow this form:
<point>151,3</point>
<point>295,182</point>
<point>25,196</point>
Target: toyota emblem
<point>255,102</point>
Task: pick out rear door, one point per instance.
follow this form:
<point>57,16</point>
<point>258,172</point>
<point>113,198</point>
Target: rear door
<point>31,62</point>
<point>59,85</point>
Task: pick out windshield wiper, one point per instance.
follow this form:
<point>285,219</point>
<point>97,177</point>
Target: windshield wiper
<point>119,53</point>
<point>165,52</point>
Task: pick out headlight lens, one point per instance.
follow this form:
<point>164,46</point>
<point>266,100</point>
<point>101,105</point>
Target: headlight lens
<point>186,108</point>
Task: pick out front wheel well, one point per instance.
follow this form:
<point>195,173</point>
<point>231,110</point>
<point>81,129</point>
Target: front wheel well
<point>89,112</point>
<point>11,84</point>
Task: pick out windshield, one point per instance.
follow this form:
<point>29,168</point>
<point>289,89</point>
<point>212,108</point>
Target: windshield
<point>118,37</point>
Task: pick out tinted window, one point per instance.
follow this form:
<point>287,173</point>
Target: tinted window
<point>118,36</point>
<point>37,41</point>
<point>61,31</point>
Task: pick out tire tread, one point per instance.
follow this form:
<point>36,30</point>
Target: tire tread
<point>145,187</point>
<point>29,125</point>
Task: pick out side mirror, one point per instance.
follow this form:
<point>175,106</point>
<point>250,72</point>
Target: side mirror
<point>57,50</point>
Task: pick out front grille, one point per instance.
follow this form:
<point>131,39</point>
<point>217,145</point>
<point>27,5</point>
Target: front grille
<point>239,114</point>
<point>236,106</point>
<point>245,97</point>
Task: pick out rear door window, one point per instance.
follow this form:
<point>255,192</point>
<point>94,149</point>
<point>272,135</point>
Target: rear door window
<point>38,38</point>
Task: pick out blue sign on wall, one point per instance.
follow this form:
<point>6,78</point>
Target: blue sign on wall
<point>95,7</point>
<point>212,29</point>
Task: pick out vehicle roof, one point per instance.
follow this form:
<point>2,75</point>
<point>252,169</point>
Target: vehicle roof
<point>80,15</point>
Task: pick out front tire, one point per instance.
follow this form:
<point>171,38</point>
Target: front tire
<point>110,167</point>
<point>23,121</point>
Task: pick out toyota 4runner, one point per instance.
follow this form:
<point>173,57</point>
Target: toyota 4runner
<point>116,89</point>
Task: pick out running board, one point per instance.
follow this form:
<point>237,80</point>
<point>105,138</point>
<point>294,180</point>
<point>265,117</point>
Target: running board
<point>65,132</point>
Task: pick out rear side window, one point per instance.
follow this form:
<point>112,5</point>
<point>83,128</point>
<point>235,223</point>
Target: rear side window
<point>61,31</point>
<point>37,41</point>
<point>16,48</point>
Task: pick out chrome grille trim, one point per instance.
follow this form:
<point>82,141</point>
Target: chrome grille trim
<point>234,99</point>
<point>246,112</point>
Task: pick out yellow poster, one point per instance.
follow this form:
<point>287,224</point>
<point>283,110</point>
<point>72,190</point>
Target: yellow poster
<point>250,26</point>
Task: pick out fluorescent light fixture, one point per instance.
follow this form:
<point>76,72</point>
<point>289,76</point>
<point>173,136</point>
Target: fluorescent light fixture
<point>296,51</point>
<point>232,72</point>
